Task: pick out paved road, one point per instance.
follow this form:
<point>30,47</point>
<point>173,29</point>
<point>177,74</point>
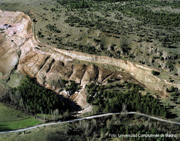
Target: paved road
<point>90,117</point>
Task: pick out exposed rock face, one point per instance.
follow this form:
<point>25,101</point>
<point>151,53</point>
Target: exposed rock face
<point>78,72</point>
<point>9,42</point>
<point>142,73</point>
<point>90,74</point>
<point>50,68</point>
<point>51,65</point>
<point>103,73</point>
<point>8,58</point>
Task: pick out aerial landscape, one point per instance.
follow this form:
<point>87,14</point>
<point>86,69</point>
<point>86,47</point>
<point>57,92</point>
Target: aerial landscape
<point>77,70</point>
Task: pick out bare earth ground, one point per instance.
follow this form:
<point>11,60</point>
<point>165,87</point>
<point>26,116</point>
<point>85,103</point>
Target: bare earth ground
<point>53,64</point>
<point>48,63</point>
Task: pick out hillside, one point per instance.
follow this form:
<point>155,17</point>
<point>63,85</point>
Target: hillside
<point>79,48</point>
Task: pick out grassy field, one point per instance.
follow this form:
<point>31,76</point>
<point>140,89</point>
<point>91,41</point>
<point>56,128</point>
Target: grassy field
<point>11,119</point>
<point>49,133</point>
<point>18,124</point>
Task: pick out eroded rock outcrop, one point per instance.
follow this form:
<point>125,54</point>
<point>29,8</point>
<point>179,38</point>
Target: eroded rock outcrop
<point>142,73</point>
<point>78,72</point>
<point>51,65</point>
<point>15,30</point>
<point>48,69</point>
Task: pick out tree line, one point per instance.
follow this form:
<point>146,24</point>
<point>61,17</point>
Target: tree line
<point>111,101</point>
<point>35,99</point>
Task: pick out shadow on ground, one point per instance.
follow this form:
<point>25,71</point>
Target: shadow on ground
<point>4,128</point>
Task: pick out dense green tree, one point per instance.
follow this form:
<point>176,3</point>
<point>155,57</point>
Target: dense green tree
<point>37,99</point>
<point>133,99</point>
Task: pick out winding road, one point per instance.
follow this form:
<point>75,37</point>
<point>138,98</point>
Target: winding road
<point>90,117</point>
